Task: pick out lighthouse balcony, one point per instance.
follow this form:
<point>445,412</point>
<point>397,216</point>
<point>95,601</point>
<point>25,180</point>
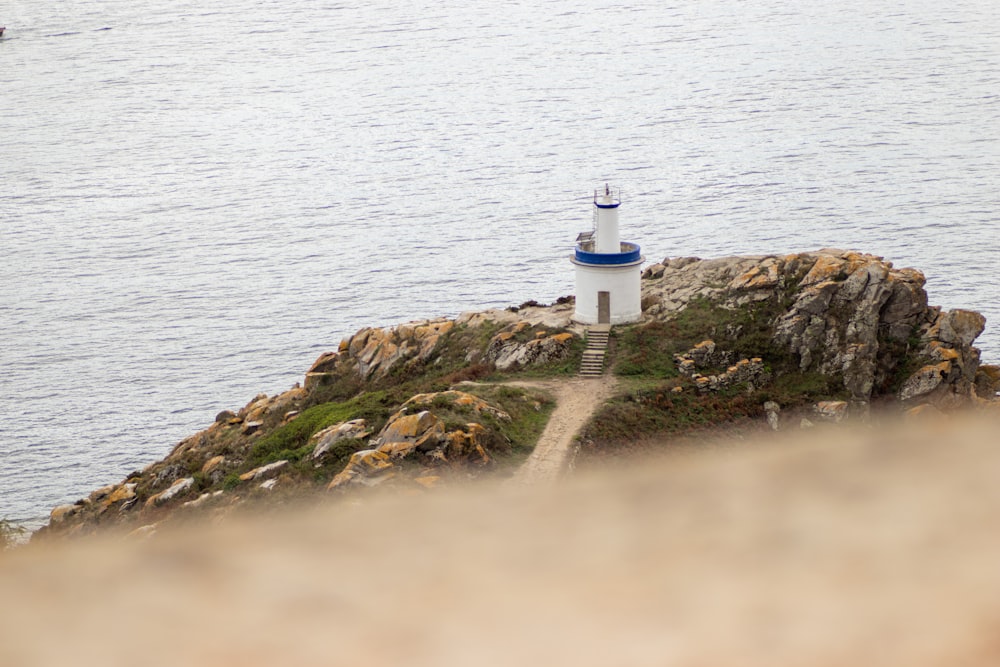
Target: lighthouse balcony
<point>629,253</point>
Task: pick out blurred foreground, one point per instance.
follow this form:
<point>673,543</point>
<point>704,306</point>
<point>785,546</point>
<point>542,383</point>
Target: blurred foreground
<point>878,547</point>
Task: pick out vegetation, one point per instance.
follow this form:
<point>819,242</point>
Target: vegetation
<point>291,441</point>
<point>10,533</point>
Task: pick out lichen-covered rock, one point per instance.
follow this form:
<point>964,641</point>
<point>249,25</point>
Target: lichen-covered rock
<point>178,488</point>
<point>506,350</point>
<point>264,472</point>
<point>459,399</point>
<point>212,464</point>
<point>362,468</point>
<point>375,352</point>
<point>61,513</point>
<point>324,440</point>
<point>987,381</point>
<point>831,411</point>
<point>958,327</point>
<point>924,381</point>
<point>424,430</point>
<point>850,315</point>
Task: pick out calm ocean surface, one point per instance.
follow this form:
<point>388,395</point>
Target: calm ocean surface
<point>198,198</point>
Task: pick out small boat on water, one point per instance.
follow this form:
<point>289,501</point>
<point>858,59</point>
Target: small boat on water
<point>2,28</point>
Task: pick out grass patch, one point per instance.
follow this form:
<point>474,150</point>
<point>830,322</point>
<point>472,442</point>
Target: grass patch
<point>291,441</point>
<point>652,412</point>
<point>529,411</point>
<point>647,351</point>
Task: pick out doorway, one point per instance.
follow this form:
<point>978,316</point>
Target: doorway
<point>604,307</point>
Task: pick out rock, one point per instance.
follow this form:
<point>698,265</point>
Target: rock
<point>143,532</point>
<point>325,363</point>
<point>764,275</point>
<point>805,423</point>
<point>363,465</point>
<point>264,472</point>
<point>459,399</point>
<point>212,464</point>
<point>224,416</point>
<point>179,487</point>
<point>397,450</point>
<point>467,444</point>
<point>267,485</point>
<point>123,493</point>
<point>328,437</point>
<point>427,481</point>
<point>168,474</point>
<point>923,411</point>
<point>653,271</point>
<point>959,327</point>
<point>771,409</point>
<point>831,411</point>
<point>61,513</point>
<point>251,427</point>
<point>202,499</point>
<point>423,430</point>
<point>924,381</point>
<point>506,351</point>
<point>987,381</point>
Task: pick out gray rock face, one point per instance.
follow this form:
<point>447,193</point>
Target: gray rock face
<point>328,437</point>
<point>851,316</point>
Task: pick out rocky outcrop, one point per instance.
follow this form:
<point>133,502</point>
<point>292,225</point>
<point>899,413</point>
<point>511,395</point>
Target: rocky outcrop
<point>424,438</point>
<point>529,335</point>
<point>842,314</point>
<point>509,349</point>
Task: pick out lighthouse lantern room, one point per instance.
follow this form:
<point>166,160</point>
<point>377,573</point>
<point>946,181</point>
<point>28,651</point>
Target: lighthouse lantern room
<point>608,270</point>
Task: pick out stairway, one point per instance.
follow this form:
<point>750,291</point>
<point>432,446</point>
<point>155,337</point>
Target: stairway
<point>592,363</point>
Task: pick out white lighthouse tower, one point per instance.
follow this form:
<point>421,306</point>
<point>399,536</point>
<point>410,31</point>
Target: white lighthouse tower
<point>608,271</point>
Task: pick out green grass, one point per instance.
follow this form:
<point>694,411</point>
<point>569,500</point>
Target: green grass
<point>529,410</point>
<point>660,411</point>
<point>291,441</point>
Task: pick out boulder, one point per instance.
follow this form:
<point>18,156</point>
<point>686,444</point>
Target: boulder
<point>212,463</point>
<point>264,472</point>
<point>958,327</point>
<point>987,381</point>
<point>363,466</point>
<point>831,411</point>
<point>328,437</point>
<point>772,411</point>
<point>506,350</point>
<point>924,381</point>
<point>123,493</point>
<point>61,513</point>
<point>423,430</point>
<point>179,487</point>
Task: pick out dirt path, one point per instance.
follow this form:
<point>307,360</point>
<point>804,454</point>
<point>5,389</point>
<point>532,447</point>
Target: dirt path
<point>576,400</point>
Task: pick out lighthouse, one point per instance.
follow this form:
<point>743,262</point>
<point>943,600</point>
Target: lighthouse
<point>608,270</point>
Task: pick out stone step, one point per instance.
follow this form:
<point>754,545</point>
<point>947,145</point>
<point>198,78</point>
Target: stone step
<point>592,362</point>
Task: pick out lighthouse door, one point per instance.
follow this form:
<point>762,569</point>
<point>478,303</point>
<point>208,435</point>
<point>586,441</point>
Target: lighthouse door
<point>604,307</point>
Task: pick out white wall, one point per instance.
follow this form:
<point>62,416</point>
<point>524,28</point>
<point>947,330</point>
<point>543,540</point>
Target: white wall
<point>621,281</point>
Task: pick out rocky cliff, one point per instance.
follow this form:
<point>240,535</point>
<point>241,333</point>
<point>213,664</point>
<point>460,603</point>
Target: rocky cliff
<point>846,315</point>
<point>722,340</point>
